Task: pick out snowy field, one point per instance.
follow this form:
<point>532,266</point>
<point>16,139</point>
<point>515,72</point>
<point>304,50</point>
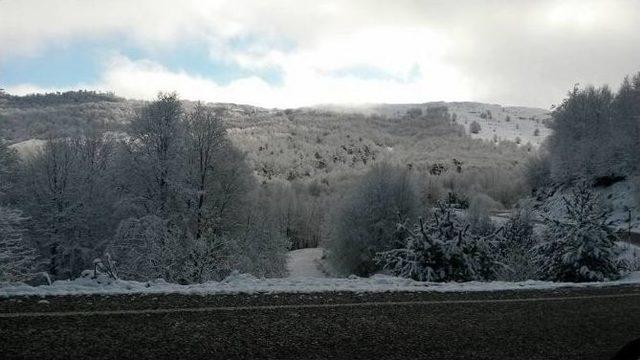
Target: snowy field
<point>305,276</point>
<point>247,284</point>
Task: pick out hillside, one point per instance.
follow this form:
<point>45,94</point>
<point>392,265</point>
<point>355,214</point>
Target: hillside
<point>320,143</point>
<point>497,122</point>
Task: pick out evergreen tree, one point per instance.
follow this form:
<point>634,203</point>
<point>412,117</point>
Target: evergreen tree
<point>580,246</point>
<point>442,250</point>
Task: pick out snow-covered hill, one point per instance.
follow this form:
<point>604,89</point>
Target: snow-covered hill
<point>504,123</point>
<point>497,123</point>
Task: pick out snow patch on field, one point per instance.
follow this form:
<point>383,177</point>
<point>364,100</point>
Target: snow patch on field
<point>247,284</point>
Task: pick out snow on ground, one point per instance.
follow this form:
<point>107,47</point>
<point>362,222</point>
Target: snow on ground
<point>247,284</point>
<point>522,123</point>
<point>619,200</point>
<point>305,263</point>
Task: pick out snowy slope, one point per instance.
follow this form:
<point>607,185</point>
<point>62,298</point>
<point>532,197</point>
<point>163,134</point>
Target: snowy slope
<point>305,263</point>
<point>522,124</point>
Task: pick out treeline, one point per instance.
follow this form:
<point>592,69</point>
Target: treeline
<point>172,199</point>
<point>57,98</point>
<point>436,225</point>
<point>596,137</point>
<point>171,194</point>
<point>381,226</point>
<point>64,120</point>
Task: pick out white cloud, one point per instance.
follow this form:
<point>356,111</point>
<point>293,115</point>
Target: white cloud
<point>302,86</point>
<point>525,53</point>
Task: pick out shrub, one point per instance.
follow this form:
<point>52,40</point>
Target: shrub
<point>538,171</point>
<point>474,127</point>
<point>516,241</point>
<point>442,250</point>
<point>478,214</point>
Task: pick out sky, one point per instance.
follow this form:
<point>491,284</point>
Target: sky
<point>289,53</point>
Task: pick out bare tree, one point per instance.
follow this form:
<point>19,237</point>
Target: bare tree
<point>155,150</point>
<point>205,136</point>
<point>17,258</point>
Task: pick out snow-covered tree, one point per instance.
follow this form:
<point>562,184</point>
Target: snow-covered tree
<point>261,249</point>
<point>8,163</point>
<point>514,247</point>
<point>204,137</point>
<point>626,128</point>
<point>210,258</point>
<point>67,191</point>
<point>17,258</point>
<point>579,246</point>
<point>596,134</point>
<point>478,214</point>
<point>365,222</point>
<point>442,249</point>
<point>153,165</point>
<point>148,248</point>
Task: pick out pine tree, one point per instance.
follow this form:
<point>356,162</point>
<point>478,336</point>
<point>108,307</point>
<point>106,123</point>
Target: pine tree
<point>579,247</point>
<point>442,250</point>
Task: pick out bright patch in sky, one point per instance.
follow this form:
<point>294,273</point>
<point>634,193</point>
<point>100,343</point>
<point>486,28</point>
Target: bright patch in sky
<point>285,53</point>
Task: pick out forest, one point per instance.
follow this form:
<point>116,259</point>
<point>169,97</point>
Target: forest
<point>192,192</point>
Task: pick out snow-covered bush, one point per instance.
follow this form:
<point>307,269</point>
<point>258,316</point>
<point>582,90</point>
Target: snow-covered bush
<point>442,249</point>
<point>17,258</point>
<point>151,247</point>
<point>515,243</point>
<point>579,246</point>
<point>478,214</point>
<point>146,248</point>
<point>365,222</point>
<point>537,171</point>
<point>261,250</point>
<point>105,266</point>
<point>209,259</point>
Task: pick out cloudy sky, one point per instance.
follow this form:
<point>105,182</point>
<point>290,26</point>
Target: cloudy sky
<point>282,53</point>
